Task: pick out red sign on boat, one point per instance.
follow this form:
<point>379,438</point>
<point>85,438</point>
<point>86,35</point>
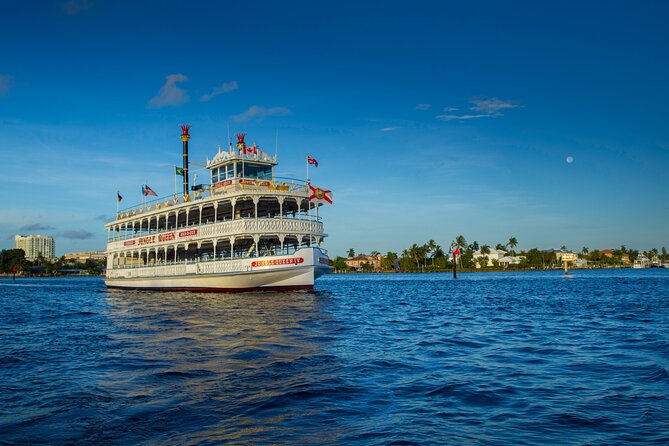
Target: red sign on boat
<point>291,261</point>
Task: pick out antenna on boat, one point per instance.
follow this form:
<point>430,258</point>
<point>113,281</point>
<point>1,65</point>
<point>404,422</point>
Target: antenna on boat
<point>229,139</point>
<point>276,148</point>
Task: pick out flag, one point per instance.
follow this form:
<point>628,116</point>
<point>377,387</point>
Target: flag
<point>319,195</point>
<point>179,171</point>
<point>146,190</point>
<point>312,160</point>
<point>118,197</point>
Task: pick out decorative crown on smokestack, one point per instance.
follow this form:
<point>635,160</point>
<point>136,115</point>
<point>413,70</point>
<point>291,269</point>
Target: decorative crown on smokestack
<point>184,132</point>
<point>240,140</point>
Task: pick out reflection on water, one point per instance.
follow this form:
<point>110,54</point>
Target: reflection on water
<point>234,360</point>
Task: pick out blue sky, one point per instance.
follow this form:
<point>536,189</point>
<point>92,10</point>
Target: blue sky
<point>428,119</point>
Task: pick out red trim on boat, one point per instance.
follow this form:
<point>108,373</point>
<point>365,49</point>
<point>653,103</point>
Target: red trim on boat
<point>219,290</point>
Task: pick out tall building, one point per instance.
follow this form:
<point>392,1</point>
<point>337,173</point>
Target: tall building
<point>33,245</point>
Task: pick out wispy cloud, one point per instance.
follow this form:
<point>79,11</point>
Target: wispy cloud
<point>462,117</point>
<point>74,7</point>
<point>80,234</point>
<point>490,105</point>
<point>170,94</point>
<point>389,129</point>
<point>36,227</point>
<point>486,108</point>
<point>261,112</point>
<point>104,217</point>
<point>423,107</point>
<point>225,88</point>
<point>5,80</point>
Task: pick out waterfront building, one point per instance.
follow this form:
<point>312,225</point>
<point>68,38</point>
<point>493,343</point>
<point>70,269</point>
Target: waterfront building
<point>494,254</point>
<point>84,256</point>
<point>34,245</point>
<point>357,261</point>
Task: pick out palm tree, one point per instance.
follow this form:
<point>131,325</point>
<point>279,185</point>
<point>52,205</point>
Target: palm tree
<point>513,242</point>
<point>563,247</point>
<point>585,250</point>
<point>460,241</point>
<point>482,261</point>
<point>430,248</point>
<point>416,254</point>
<point>500,246</point>
<point>485,249</point>
<point>351,253</point>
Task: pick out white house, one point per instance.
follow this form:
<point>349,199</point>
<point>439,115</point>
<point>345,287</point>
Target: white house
<point>494,254</point>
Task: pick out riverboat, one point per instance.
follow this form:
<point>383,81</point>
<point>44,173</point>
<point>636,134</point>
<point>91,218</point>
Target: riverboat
<point>245,230</point>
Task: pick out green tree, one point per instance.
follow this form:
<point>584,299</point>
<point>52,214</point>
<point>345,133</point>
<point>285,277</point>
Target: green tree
<point>512,243</point>
<point>389,261</point>
<point>11,259</point>
<point>500,246</point>
<point>430,248</point>
<point>460,241</point>
<point>485,249</point>
<point>585,250</point>
<point>482,261</point>
<point>339,264</point>
<point>351,253</point>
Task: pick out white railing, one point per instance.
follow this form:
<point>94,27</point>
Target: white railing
<point>241,227</point>
<point>212,267</point>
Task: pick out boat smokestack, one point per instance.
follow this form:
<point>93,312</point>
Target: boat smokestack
<point>185,137</point>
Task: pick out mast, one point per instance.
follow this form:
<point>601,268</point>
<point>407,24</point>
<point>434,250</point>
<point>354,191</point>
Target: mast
<point>185,137</point>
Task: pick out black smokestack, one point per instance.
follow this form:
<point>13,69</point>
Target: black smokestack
<point>185,137</point>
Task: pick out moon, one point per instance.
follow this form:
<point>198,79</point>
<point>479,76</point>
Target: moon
<point>570,159</point>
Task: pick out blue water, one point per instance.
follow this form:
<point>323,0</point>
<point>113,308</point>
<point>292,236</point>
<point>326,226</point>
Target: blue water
<point>513,358</point>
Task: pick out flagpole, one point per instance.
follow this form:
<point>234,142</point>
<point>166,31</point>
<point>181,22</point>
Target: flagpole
<point>308,201</point>
<point>118,194</point>
<point>175,180</point>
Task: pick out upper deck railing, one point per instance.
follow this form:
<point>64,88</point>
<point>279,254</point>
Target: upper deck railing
<point>278,185</point>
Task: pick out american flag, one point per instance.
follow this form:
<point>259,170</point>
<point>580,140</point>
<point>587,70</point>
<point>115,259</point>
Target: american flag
<point>146,190</point>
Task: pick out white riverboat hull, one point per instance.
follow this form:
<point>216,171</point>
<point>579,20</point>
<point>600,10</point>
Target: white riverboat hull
<point>297,271</point>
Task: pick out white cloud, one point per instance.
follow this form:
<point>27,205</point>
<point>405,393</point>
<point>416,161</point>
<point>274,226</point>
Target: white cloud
<point>487,108</point>
<point>170,94</point>
<point>423,107</point>
<point>225,88</point>
<point>261,112</point>
<point>5,80</point>
<point>465,117</point>
<point>490,105</point>
<point>77,234</point>
<point>389,129</point>
<point>74,7</point>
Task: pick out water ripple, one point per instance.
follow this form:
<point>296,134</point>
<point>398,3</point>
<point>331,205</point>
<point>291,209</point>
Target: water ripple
<point>515,358</point>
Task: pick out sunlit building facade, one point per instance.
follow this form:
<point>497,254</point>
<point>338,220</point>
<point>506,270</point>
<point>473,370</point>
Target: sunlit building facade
<point>34,245</point>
